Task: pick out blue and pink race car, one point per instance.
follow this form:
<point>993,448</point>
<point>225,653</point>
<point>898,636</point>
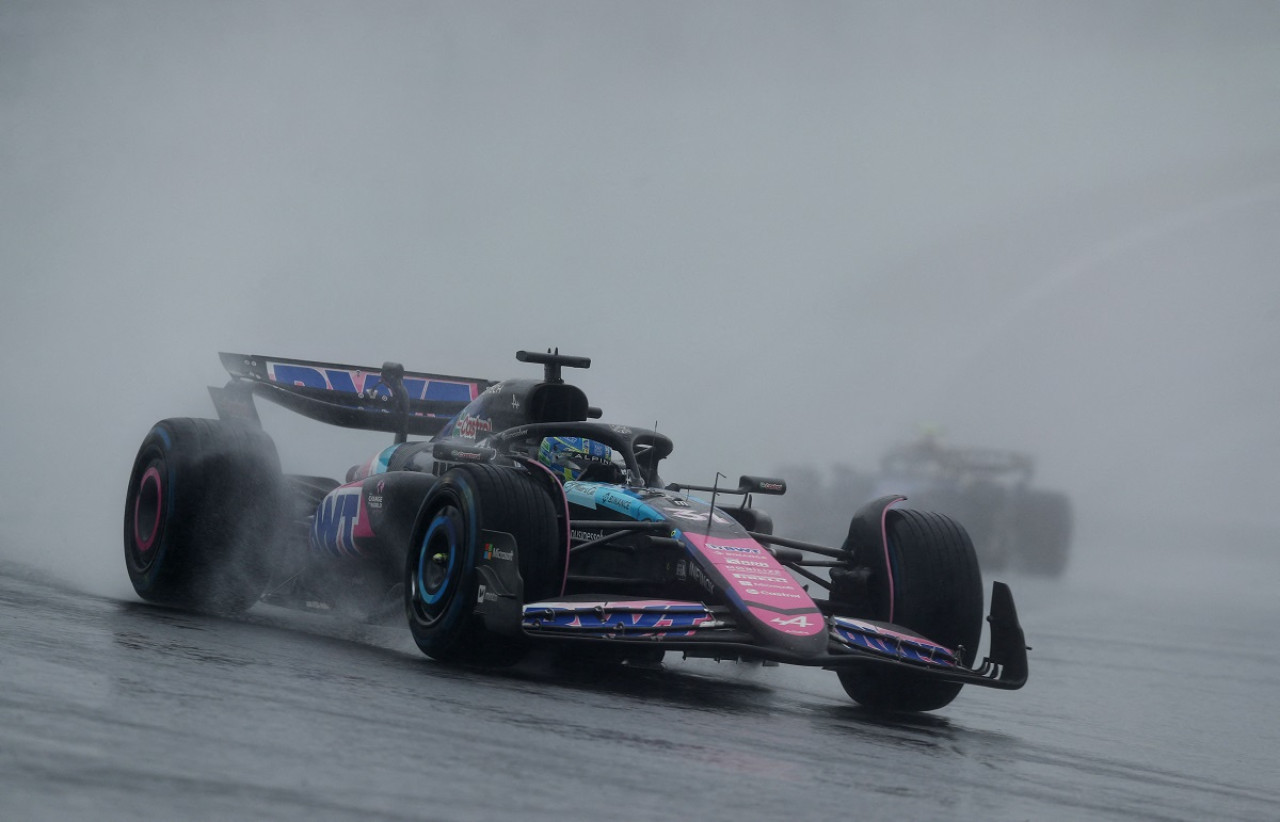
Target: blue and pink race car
<point>507,515</point>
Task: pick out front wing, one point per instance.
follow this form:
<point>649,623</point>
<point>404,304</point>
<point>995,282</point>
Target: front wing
<point>706,630</point>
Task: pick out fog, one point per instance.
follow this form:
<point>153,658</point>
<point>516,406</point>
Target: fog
<point>786,233</point>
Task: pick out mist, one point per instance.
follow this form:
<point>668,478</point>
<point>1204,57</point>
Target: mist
<point>784,234</point>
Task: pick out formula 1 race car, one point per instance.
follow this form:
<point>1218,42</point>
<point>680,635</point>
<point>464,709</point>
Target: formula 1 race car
<point>522,519</point>
<point>1012,523</point>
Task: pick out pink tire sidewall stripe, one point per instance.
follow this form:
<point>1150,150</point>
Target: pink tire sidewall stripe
<point>884,539</point>
<point>152,475</point>
<point>564,500</point>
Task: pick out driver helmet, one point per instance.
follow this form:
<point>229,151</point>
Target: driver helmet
<point>569,457</point>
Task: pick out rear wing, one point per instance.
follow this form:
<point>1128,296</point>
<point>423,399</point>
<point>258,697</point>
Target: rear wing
<point>371,399</point>
<point>992,461</point>
<point>958,462</point>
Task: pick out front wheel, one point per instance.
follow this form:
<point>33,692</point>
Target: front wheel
<point>441,582</point>
<point>926,578</point>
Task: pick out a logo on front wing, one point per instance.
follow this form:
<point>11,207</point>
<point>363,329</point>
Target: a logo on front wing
<point>734,549</point>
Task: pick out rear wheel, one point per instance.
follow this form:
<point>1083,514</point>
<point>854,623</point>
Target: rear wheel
<point>441,581</point>
<point>202,514</point>
<point>931,586</point>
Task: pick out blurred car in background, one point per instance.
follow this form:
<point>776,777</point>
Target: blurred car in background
<point>1013,524</point>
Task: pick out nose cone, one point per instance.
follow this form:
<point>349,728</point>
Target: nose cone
<point>777,607</point>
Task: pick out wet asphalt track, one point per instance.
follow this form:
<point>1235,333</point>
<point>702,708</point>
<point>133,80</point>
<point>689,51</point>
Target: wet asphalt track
<point>117,710</point>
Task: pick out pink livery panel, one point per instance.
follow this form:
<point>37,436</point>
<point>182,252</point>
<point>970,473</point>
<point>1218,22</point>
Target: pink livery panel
<point>767,590</point>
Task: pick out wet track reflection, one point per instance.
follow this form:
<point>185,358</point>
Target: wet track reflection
<point>119,710</point>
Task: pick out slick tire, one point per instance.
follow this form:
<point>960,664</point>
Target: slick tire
<point>202,515</point>
<point>440,570</point>
<point>1043,533</point>
<point>936,592</point>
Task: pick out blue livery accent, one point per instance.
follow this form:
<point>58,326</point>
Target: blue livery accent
<point>333,528</point>
<point>609,619</point>
<point>614,497</point>
<point>423,559</point>
<point>383,459</point>
<point>437,390</point>
<point>867,636</point>
<point>581,493</point>
<point>370,382</point>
